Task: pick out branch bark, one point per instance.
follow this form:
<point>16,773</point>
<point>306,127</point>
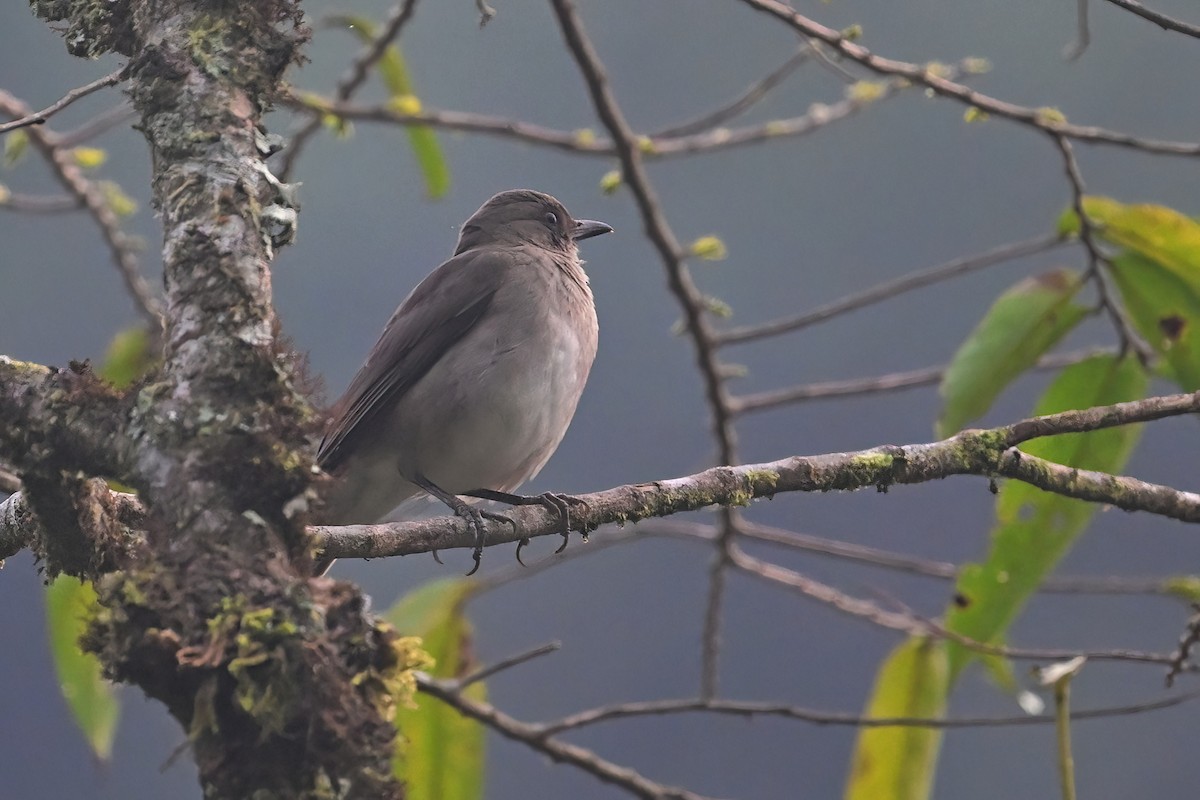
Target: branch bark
<point>289,679</point>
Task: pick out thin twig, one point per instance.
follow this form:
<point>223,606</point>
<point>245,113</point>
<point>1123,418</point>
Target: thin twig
<point>122,246</point>
<point>742,103</point>
<point>1161,20</point>
<point>913,625</point>
<point>1189,639</point>
<point>39,117</point>
<point>563,752</point>
<point>819,116</point>
<point>1043,119</point>
<point>1170,587</point>
<point>520,658</point>
<point>710,652</point>
<point>1097,262</point>
<point>1083,32</point>
<point>893,288</point>
<point>39,204</point>
<point>891,382</point>
<point>751,709</point>
<point>355,76</point>
<point>104,121</point>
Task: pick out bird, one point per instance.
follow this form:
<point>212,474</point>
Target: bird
<point>476,376</point>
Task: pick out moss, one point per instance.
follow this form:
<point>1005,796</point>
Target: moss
<point>94,27</point>
<point>982,447</point>
<point>759,476</point>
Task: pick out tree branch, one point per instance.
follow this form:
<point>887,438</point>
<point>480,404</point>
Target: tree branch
<point>1048,120</point>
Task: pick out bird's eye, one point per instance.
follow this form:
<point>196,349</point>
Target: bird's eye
<point>551,218</point>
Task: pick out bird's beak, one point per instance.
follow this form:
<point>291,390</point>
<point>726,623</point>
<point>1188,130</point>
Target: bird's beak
<point>587,228</point>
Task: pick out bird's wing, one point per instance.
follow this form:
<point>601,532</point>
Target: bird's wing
<point>440,311</point>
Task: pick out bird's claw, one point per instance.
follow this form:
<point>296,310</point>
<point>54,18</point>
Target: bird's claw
<point>520,546</point>
<point>475,519</point>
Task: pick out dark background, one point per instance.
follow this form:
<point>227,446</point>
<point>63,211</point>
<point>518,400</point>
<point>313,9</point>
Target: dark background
<point>905,185</point>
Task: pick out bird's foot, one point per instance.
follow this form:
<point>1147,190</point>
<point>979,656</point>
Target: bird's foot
<point>474,517</point>
<point>551,501</point>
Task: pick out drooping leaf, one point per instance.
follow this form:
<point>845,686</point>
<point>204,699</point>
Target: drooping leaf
<point>1161,234</point>
<point>1034,528</point>
<point>394,72</point>
<point>1165,308</point>
<point>90,697</point>
<point>439,753</point>
<point>898,763</point>
<point>1021,325</point>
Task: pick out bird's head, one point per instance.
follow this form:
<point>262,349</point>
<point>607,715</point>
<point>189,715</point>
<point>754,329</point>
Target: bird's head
<point>523,216</point>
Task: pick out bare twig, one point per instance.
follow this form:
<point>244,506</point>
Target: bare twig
<point>1039,118</point>
<point>1189,639</point>
<point>906,622</point>
<point>654,147</point>
<point>106,120</point>
<point>1173,587</point>
<point>38,117</point>
<point>893,288</point>
<point>1161,20</point>
<point>891,382</point>
<point>562,752</point>
<point>710,651</point>
<point>355,76</point>
<point>1097,263</point>
<point>483,673</point>
<point>1083,32</point>
<point>742,103</point>
<point>38,204</point>
<point>122,247</point>
<point>750,709</point>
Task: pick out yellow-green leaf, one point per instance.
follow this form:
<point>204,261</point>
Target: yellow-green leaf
<point>1021,325</point>
<point>709,248</point>
<point>439,753</point>
<point>897,763</point>
<point>1165,308</point>
<point>15,145</point>
<point>1034,529</point>
<point>1158,233</point>
<point>90,697</point>
<point>394,73</point>
<point>89,157</point>
<point>121,204</point>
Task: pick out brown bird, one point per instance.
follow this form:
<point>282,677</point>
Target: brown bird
<point>476,376</point>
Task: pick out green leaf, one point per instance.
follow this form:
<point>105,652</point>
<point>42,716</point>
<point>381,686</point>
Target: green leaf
<point>1021,325</point>
<point>1034,529</point>
<point>1161,234</point>
<point>1165,308</point>
<point>897,763</point>
<point>128,358</point>
<point>90,697</point>
<point>439,753</point>
<point>394,72</point>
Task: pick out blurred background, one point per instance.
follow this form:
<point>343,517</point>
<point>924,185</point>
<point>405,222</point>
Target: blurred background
<point>904,185</point>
